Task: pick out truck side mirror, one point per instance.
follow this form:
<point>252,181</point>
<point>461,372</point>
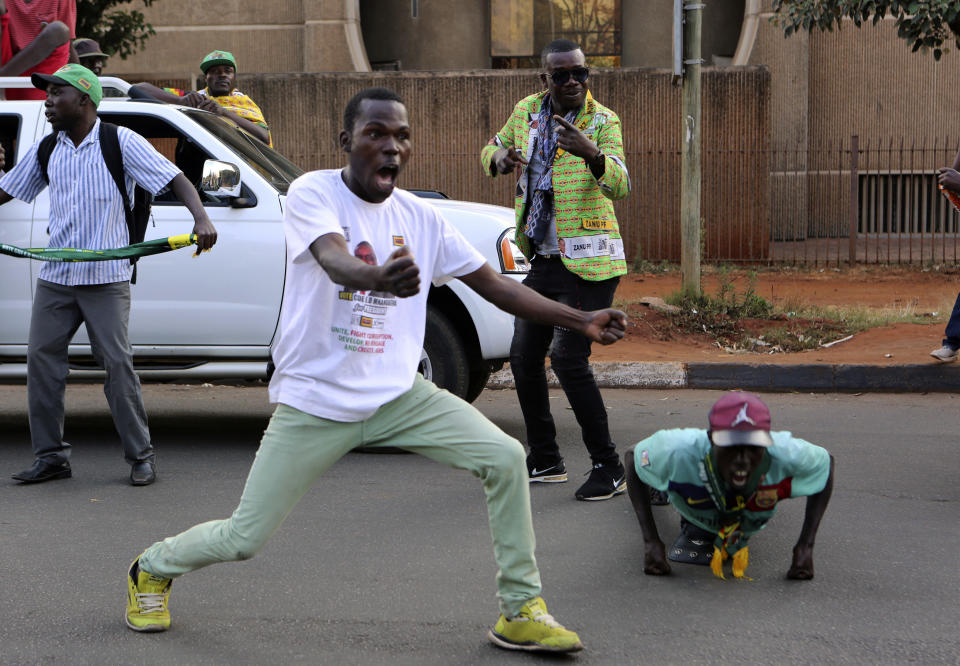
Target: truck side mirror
<point>221,179</point>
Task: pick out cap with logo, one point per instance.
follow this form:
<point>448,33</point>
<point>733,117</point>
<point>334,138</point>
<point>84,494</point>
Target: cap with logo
<point>217,58</point>
<point>74,75</point>
<point>740,418</point>
<point>88,48</point>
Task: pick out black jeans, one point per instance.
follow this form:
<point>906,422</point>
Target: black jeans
<point>952,333</point>
<point>569,358</point>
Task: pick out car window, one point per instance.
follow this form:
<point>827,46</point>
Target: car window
<point>175,146</point>
<point>274,167</point>
<point>10,124</point>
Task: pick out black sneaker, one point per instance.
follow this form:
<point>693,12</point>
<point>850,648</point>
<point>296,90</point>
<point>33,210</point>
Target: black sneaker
<point>605,481</point>
<point>555,473</point>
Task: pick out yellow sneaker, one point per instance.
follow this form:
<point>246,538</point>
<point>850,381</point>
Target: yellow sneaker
<point>147,597</point>
<point>534,629</point>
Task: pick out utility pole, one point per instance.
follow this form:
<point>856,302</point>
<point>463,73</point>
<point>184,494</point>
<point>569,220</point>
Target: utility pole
<point>689,13</point>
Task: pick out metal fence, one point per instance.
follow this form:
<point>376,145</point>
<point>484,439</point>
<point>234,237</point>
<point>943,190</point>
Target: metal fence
<point>871,201</point>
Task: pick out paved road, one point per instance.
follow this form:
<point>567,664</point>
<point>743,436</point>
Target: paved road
<point>388,560</point>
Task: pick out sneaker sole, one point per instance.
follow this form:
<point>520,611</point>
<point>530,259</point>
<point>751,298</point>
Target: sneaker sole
<point>944,360</point>
<point>619,490</point>
<point>149,628</point>
<point>553,478</point>
<point>500,641</point>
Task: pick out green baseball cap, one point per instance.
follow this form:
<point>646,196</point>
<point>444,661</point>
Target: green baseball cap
<point>74,75</point>
<point>217,58</point>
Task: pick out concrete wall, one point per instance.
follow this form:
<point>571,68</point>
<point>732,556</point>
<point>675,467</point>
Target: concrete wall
<point>445,35</point>
<point>648,32</point>
<point>291,36</point>
<point>866,81</point>
<point>344,35</point>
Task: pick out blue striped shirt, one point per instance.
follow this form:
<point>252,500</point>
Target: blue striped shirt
<point>86,209</point>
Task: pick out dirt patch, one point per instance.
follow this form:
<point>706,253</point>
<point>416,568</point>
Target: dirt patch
<point>652,336</point>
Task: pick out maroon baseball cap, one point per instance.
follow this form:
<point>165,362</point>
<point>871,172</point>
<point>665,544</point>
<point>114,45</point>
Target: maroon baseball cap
<point>740,418</point>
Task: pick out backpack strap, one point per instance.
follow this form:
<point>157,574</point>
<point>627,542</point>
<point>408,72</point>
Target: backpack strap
<point>113,157</point>
<point>44,151</point>
<point>110,147</point>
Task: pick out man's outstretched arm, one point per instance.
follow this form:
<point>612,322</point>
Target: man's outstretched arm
<point>603,326</point>
<point>802,566</point>
<point>654,552</point>
<point>156,93</point>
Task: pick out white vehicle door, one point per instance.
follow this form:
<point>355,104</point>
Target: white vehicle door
<point>18,132</point>
<point>228,297</point>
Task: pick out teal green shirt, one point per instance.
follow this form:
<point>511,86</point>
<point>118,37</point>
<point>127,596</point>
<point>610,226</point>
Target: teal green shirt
<point>671,460</point>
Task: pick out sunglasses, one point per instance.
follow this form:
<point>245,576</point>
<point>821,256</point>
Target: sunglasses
<point>561,76</point>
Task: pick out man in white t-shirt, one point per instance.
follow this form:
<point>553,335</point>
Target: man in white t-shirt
<point>351,331</point>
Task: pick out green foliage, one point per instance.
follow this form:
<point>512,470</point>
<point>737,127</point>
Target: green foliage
<point>927,25</point>
<point>120,32</point>
<point>727,304</point>
<point>740,320</point>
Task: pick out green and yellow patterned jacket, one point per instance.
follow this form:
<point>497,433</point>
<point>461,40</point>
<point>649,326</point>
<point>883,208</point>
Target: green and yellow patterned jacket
<point>587,228</point>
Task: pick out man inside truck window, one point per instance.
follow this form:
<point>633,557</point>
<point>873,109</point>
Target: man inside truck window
<point>220,96</point>
<point>346,372</point>
<point>86,211</point>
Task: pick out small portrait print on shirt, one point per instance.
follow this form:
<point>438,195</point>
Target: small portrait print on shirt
<point>368,304</point>
<point>369,329</point>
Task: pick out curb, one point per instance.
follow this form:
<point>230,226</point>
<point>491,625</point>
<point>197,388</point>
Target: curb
<point>815,377</point>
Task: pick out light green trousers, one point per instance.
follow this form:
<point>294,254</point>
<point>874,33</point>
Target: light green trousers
<point>297,448</point>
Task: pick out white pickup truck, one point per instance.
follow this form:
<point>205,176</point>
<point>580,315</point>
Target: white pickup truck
<point>215,316</point>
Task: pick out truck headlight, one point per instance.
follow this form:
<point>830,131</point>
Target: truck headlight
<point>511,258</point>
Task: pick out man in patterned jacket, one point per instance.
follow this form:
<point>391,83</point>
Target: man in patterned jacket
<point>568,153</point>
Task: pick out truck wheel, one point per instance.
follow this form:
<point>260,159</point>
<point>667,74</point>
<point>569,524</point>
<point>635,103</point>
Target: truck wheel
<point>443,359</point>
<point>479,375</point>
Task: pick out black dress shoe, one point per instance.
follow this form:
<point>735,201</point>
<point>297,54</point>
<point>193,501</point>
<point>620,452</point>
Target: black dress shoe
<point>43,471</point>
<point>143,473</point>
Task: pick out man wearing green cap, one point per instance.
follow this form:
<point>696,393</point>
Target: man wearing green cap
<point>87,211</point>
<point>219,97</point>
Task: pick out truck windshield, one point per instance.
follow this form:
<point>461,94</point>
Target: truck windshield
<point>270,164</point>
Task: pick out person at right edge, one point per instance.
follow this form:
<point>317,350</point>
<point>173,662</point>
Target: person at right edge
<point>949,181</point>
<point>568,152</point>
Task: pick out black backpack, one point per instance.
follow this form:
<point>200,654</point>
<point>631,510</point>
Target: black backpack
<point>138,216</point>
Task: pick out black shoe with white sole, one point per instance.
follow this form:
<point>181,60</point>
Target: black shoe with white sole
<point>606,480</point>
<point>554,473</point>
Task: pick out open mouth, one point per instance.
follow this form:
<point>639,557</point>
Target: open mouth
<point>386,176</point>
<point>739,477</point>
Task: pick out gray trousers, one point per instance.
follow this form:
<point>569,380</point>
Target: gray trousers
<point>57,313</point>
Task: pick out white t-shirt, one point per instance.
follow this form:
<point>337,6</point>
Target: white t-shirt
<point>341,354</point>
